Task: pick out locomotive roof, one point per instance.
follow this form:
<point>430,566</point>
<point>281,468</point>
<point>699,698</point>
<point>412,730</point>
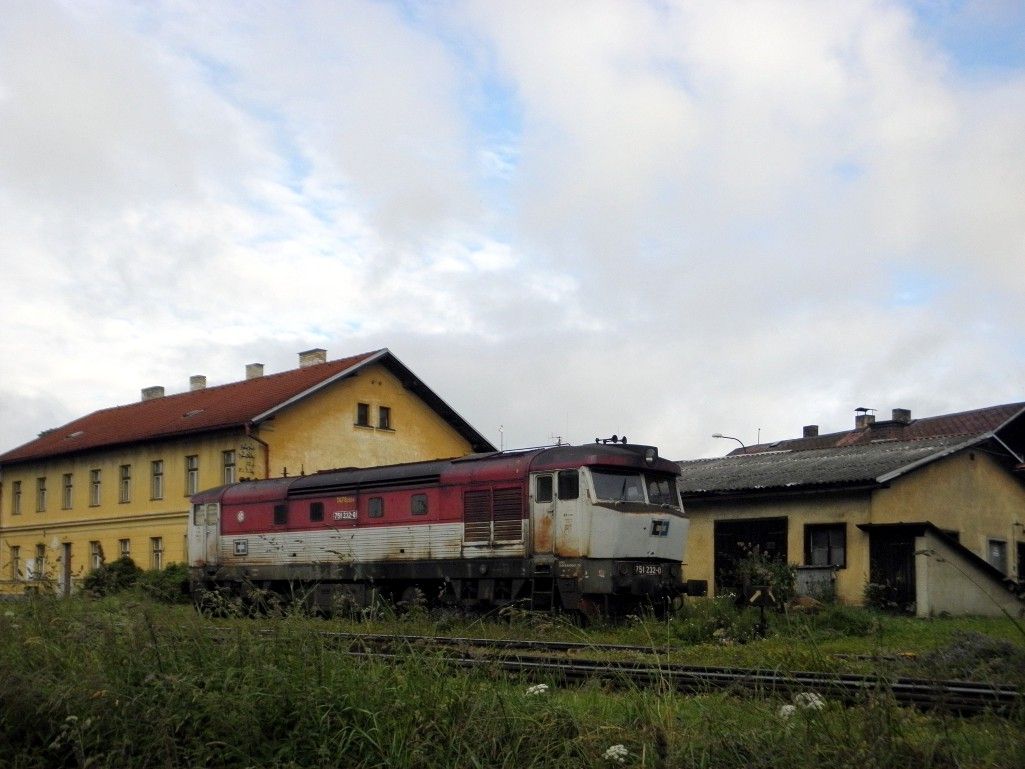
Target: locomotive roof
<point>491,466</point>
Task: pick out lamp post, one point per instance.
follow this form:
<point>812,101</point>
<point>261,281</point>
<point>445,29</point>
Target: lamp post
<point>730,438</point>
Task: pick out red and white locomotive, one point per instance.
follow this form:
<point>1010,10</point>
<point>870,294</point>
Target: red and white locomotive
<point>591,527</point>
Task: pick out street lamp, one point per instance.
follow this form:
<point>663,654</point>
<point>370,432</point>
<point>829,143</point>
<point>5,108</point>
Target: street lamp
<point>731,438</point>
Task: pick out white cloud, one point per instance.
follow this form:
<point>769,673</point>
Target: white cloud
<point>663,220</point>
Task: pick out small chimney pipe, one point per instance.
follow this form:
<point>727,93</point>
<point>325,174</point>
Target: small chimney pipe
<point>902,415</point>
<point>254,370</point>
<point>150,393</point>
<point>312,357</point>
<point>811,431</point>
<point>197,382</point>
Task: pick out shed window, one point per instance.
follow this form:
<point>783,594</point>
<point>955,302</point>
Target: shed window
<point>316,511</point>
<point>375,507</point>
<point>569,484</point>
<point>825,545</point>
<point>543,488</point>
<point>363,414</point>
<point>280,515</point>
<point>996,554</point>
<point>418,504</point>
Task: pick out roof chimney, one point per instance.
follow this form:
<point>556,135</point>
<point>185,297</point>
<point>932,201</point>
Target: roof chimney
<point>197,382</point>
<point>811,431</point>
<point>902,415</point>
<point>312,357</point>
<point>149,393</point>
<point>254,370</point>
<point>863,419</point>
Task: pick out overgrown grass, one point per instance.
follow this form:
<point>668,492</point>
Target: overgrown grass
<point>126,682</point>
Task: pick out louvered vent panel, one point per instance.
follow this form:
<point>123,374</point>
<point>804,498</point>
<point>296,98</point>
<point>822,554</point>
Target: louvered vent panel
<point>477,516</point>
<point>508,514</point>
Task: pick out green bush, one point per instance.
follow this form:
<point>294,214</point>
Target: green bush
<point>167,585</point>
<point>112,578</point>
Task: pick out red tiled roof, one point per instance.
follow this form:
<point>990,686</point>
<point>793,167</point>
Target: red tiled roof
<point>212,408</point>
<point>967,423</point>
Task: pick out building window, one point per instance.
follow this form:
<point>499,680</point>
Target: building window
<point>38,567</point>
<point>543,489</point>
<point>156,555</point>
<point>124,489</point>
<point>191,475</point>
<point>156,479</point>
<point>418,504</point>
<point>95,555</point>
<point>40,495</point>
<point>280,515</point>
<point>996,554</point>
<point>15,562</point>
<point>67,490</point>
<point>94,488</point>
<point>316,511</point>
<point>15,497</point>
<point>375,507</point>
<point>124,548</point>
<point>363,414</point>
<point>384,417</point>
<point>825,545</point>
<point>228,462</point>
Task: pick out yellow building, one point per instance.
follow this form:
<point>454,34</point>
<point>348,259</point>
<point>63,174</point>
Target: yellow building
<point>929,511</point>
<point>116,482</point>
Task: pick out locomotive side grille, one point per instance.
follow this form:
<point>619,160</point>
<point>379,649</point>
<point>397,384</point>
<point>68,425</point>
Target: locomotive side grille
<point>477,516</point>
<point>508,514</point>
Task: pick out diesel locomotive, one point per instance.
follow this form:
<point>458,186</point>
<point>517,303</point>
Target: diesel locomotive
<point>589,528</point>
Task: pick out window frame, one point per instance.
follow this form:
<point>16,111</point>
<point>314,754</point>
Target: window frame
<point>124,484</point>
<point>810,529</point>
<point>124,548</point>
<point>39,562</point>
<point>156,553</point>
<point>95,554</point>
<point>229,466</point>
<point>156,479</point>
<point>15,554</point>
<point>95,487</point>
<point>41,494</point>
<point>570,494</point>
<point>990,542</point>
<point>191,474</point>
<point>316,512</point>
<point>67,491</point>
<point>414,499</point>
<point>384,418</point>
<point>15,497</point>
<point>550,497</point>
<point>362,414</point>
<point>281,514</point>
<point>375,507</point>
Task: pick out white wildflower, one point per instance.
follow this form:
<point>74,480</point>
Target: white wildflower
<point>809,701</point>
<point>786,711</point>
<point>617,753</point>
<point>537,689</point>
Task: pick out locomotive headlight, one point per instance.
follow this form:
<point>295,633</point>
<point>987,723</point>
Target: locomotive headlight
<point>651,455</point>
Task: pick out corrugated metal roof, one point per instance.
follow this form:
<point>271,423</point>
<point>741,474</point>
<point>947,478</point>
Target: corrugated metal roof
<point>226,406</point>
<point>963,423</point>
<point>811,467</point>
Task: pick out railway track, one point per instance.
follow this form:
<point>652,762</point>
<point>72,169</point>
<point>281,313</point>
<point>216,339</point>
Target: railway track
<point>959,697</point>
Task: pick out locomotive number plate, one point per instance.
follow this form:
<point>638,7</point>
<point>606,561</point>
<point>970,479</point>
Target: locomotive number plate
<point>648,569</point>
<point>344,515</point>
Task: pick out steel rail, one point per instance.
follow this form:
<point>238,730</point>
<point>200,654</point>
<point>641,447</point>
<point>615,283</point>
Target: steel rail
<point>964,697</point>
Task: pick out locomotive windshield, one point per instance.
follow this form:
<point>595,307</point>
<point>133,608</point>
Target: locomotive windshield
<point>662,490</point>
<point>613,486</point>
<point>617,486</point>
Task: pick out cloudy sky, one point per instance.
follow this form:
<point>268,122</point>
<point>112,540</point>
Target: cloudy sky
<point>664,219</point>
